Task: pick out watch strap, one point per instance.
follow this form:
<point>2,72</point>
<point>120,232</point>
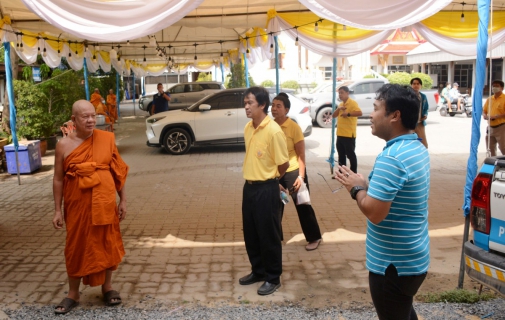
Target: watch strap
<point>355,190</point>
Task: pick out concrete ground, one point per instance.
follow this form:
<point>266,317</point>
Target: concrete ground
<point>183,232</point>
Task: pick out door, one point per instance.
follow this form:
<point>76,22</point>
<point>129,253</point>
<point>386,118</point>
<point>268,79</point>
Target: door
<point>220,122</point>
<point>193,93</point>
<point>364,94</point>
<point>177,97</point>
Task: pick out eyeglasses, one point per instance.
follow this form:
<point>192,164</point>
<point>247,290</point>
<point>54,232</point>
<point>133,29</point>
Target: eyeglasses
<point>332,191</point>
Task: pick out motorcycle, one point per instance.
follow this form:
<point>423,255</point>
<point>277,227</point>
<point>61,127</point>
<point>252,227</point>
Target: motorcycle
<point>465,106</point>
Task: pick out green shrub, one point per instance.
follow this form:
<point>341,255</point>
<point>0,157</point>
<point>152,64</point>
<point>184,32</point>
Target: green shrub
<point>401,78</point>
<point>427,81</point>
<point>290,84</point>
<point>456,296</point>
<point>236,78</point>
<point>369,76</point>
<point>268,84</point>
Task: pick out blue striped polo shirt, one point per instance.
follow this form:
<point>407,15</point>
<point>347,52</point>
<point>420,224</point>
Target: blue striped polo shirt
<point>401,175</point>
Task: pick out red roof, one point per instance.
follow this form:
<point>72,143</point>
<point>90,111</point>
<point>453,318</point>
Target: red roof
<point>399,42</point>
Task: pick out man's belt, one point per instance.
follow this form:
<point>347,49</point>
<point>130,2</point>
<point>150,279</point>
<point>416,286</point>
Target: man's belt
<point>501,124</point>
<point>261,181</point>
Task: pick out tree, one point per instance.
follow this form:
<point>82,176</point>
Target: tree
<point>401,78</point>
<point>267,83</point>
<point>426,79</point>
<point>236,78</point>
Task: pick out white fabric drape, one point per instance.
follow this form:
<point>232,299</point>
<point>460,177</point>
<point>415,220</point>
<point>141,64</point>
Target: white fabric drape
<point>111,20</point>
<point>375,15</point>
<point>459,47</point>
<point>328,48</point>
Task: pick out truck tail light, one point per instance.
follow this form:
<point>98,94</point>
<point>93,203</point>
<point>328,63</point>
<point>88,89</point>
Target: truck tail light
<point>305,109</point>
<point>437,97</point>
<point>480,215</point>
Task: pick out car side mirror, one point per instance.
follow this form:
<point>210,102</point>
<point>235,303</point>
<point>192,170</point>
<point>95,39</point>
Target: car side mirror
<point>204,107</point>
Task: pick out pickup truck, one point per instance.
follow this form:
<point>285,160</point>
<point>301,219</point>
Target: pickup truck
<point>485,253</point>
<point>363,91</point>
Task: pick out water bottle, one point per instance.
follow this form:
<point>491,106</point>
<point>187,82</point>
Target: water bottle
<point>284,197</point>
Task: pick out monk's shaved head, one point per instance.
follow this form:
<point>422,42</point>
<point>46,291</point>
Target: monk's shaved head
<point>82,106</point>
<point>96,90</point>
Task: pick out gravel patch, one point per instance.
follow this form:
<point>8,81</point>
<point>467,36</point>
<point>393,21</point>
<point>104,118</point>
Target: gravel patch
<point>494,309</point>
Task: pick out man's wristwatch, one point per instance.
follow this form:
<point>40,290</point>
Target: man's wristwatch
<point>348,114</point>
<point>355,190</point>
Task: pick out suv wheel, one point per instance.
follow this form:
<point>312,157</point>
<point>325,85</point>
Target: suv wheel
<point>323,117</point>
<point>177,141</point>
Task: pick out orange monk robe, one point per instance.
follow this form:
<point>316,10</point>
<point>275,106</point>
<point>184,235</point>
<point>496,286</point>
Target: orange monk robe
<point>100,108</point>
<point>111,104</point>
<point>94,172</point>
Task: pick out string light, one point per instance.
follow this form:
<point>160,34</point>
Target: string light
<point>69,56</point>
<point>44,53</point>
<point>144,63</point>
<point>196,58</point>
<point>316,27</point>
<point>127,42</point>
<point>221,57</point>
<point>462,11</point>
<point>296,40</point>
<point>113,53</point>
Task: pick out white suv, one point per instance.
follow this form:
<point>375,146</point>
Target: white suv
<point>363,91</point>
<point>215,120</point>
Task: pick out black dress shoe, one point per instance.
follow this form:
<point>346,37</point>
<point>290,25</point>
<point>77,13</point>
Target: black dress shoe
<point>250,279</point>
<point>268,288</point>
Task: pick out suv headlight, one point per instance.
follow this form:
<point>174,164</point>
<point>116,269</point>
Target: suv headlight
<point>153,120</point>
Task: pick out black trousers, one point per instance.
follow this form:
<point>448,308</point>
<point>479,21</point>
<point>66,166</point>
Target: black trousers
<point>345,149</point>
<point>262,229</point>
<point>306,213</point>
<point>393,295</point>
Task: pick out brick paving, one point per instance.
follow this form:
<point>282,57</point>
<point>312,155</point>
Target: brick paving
<point>183,231</point>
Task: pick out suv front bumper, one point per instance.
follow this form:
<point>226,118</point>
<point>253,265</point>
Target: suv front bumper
<point>485,267</point>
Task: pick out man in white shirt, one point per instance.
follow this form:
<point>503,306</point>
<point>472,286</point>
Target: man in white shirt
<point>455,95</point>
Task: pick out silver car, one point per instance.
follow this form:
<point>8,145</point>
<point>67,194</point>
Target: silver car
<point>183,95</point>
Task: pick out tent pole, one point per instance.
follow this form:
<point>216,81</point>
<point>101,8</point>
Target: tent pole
<point>331,160</point>
<point>246,73</point>
<point>133,74</point>
<point>86,83</point>
<point>277,85</point>
<point>12,108</point>
<point>117,94</point>
<point>222,73</point>
<point>483,7</point>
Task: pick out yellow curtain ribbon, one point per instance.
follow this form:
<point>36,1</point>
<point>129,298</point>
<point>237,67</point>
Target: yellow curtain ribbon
<point>448,23</point>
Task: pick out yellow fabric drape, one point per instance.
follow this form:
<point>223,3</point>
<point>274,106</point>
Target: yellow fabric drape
<point>257,38</point>
<point>448,23</point>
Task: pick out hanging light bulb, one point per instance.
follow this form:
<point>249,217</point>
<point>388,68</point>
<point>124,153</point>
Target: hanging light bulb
<point>113,53</point>
<point>170,63</point>
<point>94,58</point>
<point>127,42</point>
<point>221,58</point>
<point>248,53</point>
<point>76,53</point>
<point>271,48</point>
<point>316,27</point>
<point>118,58</point>
<point>21,47</point>
<point>344,27</point>
<point>144,63</point>
<point>196,58</point>
<point>296,42</point>
<point>69,56</point>
<point>152,41</point>
<point>462,11</point>
<point>44,53</point>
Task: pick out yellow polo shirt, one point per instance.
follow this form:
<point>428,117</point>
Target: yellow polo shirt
<point>498,105</point>
<point>346,127</point>
<point>294,135</point>
<point>265,149</point>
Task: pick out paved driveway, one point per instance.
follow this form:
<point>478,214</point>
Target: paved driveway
<point>183,232</point>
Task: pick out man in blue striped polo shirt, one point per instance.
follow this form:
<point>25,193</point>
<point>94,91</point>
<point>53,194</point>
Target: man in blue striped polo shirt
<point>395,203</point>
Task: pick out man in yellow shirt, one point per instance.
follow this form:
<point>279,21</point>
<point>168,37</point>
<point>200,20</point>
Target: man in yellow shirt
<point>266,160</point>
<point>496,130</point>
<point>347,115</point>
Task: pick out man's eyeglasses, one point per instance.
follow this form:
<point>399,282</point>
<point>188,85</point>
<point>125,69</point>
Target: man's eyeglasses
<point>332,191</point>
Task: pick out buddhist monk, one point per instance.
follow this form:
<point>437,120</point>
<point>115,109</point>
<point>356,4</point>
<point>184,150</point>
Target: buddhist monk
<point>100,107</point>
<point>112,105</point>
<point>88,171</point>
